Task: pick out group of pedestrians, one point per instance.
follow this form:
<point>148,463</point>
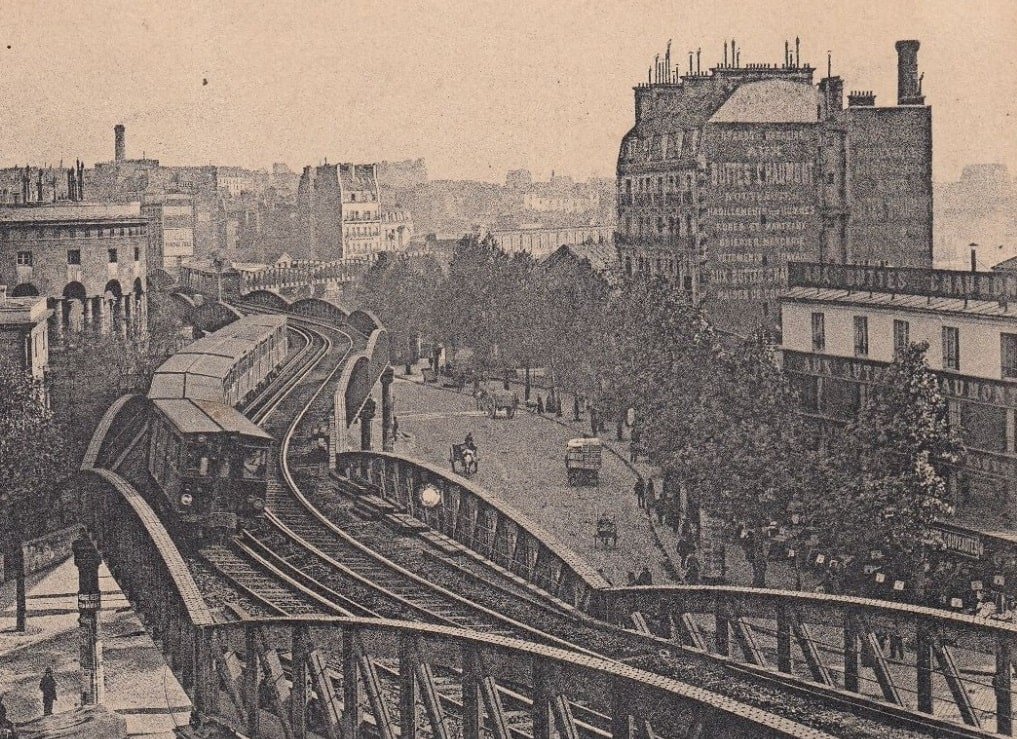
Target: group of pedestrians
<point>644,578</point>
<point>666,509</point>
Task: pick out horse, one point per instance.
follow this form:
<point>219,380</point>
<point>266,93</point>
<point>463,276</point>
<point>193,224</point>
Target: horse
<point>607,533</point>
<point>466,456</point>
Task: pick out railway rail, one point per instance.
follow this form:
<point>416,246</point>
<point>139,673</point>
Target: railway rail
<point>348,560</point>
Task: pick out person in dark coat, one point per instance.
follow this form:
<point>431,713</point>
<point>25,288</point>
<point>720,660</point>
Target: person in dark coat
<point>692,570</point>
<point>645,578</point>
<point>49,691</point>
<point>395,428</point>
<point>640,492</point>
<point>631,578</point>
<point>594,421</point>
<point>575,408</point>
<point>651,495</point>
<point>684,547</point>
<point>540,405</point>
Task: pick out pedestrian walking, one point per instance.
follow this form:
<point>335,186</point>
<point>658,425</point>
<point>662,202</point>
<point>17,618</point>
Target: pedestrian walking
<point>651,495</point>
<point>594,421</point>
<point>684,547</point>
<point>540,405</point>
<point>645,578</point>
<point>575,408</point>
<point>395,428</point>
<point>662,506</point>
<point>49,691</point>
<point>7,730</point>
<point>896,645</point>
<point>692,570</point>
<point>640,489</point>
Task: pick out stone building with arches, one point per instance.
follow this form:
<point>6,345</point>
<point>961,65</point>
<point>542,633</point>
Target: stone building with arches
<point>89,260</point>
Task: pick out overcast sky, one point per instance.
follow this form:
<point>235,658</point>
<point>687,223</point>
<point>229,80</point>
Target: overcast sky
<point>475,87</point>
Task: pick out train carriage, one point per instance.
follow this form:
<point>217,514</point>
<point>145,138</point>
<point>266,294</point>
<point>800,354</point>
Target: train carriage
<point>210,461</point>
<point>228,365</point>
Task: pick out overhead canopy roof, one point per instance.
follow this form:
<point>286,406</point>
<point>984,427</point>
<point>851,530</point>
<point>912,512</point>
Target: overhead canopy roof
<point>207,417</point>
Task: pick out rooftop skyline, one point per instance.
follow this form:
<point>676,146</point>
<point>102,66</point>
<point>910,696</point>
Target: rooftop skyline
<point>476,90</point>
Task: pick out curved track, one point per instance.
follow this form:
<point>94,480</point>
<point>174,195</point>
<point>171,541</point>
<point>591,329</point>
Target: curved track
<point>333,566</point>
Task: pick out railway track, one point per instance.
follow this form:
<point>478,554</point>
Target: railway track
<point>343,560</point>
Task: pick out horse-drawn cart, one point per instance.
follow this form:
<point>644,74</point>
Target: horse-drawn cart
<point>607,533</point>
<point>465,456</point>
<point>502,400</point>
<point>582,461</point>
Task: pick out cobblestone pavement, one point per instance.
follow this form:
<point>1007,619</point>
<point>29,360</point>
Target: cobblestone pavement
<point>522,460</point>
<point>139,685</point>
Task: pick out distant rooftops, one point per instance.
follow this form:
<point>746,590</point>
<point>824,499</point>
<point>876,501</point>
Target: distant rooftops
<point>70,211</point>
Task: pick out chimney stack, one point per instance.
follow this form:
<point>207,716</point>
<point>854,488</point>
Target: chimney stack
<point>119,143</point>
<point>909,88</point>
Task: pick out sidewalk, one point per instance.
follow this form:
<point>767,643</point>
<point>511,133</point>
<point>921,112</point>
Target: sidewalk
<point>139,685</point>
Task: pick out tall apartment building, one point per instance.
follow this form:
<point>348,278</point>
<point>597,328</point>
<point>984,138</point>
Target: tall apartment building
<point>339,208</point>
<point>730,173</point>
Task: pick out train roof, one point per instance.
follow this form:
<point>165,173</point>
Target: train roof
<point>212,356</point>
<point>207,417</point>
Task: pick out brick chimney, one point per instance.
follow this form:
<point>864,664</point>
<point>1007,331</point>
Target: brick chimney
<point>909,84</point>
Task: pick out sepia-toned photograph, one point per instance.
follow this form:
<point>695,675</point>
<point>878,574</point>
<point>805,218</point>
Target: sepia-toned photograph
<point>508,370</point>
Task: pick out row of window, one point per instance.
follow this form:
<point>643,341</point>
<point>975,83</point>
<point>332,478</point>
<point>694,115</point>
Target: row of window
<point>675,226</point>
<point>73,232</point>
<point>902,336</point>
<point>647,184</point>
<point>25,258</point>
<point>645,264</point>
<point>984,427</point>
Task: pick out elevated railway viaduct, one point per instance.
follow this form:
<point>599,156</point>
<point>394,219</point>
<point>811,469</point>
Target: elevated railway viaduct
<point>243,671</point>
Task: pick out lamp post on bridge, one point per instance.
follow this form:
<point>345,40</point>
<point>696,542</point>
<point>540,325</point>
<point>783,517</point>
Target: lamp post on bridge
<point>387,440</point>
<point>87,560</point>
<point>366,416</point>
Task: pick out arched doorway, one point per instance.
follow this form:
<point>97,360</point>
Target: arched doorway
<point>25,290</point>
<point>113,296</point>
<point>73,306</point>
<point>133,304</point>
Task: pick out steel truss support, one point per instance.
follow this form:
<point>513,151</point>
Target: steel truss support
<point>948,666</point>
<point>820,672</point>
<point>874,656</point>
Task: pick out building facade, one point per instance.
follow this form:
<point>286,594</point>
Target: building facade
<point>361,210</point>
<point>339,211</point>
<point>731,173</point>
<point>542,241</point>
<point>89,260</point>
<point>170,231</point>
<point>397,228</point>
<point>842,324</point>
<point>24,340</point>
